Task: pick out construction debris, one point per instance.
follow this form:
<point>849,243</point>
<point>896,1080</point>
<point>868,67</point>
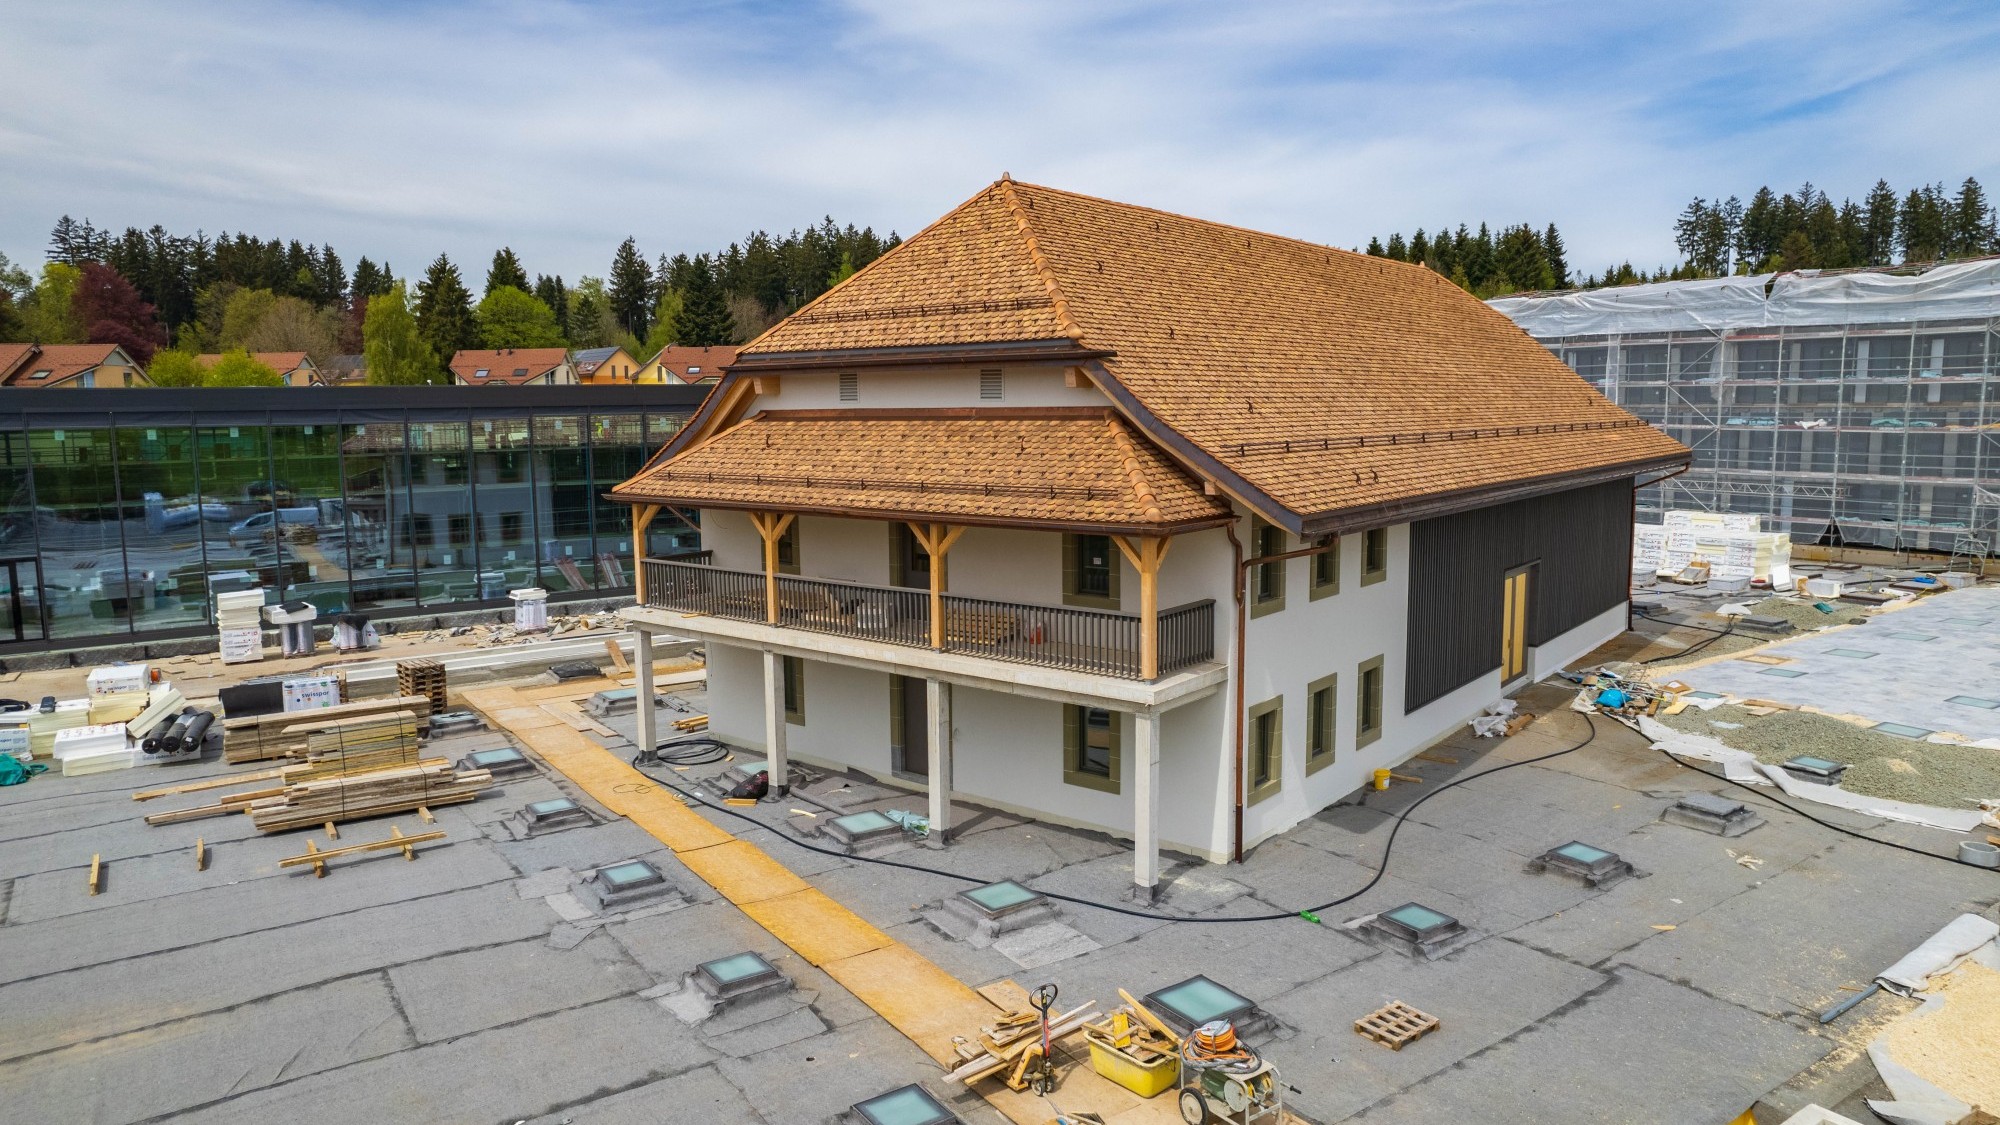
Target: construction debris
<point>396,839</point>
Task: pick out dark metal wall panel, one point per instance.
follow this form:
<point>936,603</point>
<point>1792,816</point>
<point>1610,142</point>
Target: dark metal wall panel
<point>1578,542</point>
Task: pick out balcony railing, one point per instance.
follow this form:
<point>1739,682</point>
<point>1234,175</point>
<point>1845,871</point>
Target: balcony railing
<point>1084,640</point>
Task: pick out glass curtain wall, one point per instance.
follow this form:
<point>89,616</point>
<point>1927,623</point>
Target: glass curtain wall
<point>162,514</point>
<point>374,465</point>
<point>439,526</point>
<point>85,588</point>
<point>562,477</point>
<point>504,497</point>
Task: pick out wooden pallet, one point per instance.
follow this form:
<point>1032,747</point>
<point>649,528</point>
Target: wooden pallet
<point>422,676</point>
<point>1396,1024</point>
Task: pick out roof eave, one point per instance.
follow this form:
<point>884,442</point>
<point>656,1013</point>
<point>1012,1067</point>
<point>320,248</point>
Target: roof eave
<point>889,515</point>
<point>1436,504</point>
<point>1059,350</point>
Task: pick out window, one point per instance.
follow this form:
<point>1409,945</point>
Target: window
<point>1267,582</point>
<point>1091,748</point>
<point>794,674</point>
<point>1090,571</point>
<point>788,549</point>
<point>480,374</point>
<point>1326,569</point>
<point>1368,703</point>
<point>910,564</point>
<point>992,386</point>
<point>1266,748</point>
<point>1374,556</point>
<point>1322,704</point>
<point>850,387</point>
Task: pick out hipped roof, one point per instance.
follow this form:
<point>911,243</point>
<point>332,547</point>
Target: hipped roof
<point>1324,387</point>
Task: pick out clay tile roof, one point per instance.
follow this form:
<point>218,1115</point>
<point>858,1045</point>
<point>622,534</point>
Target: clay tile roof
<point>692,365</point>
<point>506,366</point>
<point>62,362</point>
<point>1327,381</point>
<point>12,356</point>
<point>1069,467</point>
<point>284,363</point>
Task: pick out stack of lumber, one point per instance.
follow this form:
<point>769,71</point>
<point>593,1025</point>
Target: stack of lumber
<point>309,804</point>
<point>257,738</point>
<point>424,677</point>
<point>363,743</point>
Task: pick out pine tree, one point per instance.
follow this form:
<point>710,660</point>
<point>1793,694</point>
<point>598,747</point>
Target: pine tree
<point>331,278</point>
<point>704,319</point>
<point>444,310</point>
<point>369,279</point>
<point>1972,222</point>
<point>1520,262</point>
<point>1420,247</point>
<point>1920,226</point>
<point>393,346</point>
<point>505,270</point>
<point>1477,258</point>
<point>1878,225</point>
<point>1760,234</point>
<point>1552,247</point>
<point>551,292</point>
<point>631,292</point>
<point>1375,248</point>
<point>1397,248</point>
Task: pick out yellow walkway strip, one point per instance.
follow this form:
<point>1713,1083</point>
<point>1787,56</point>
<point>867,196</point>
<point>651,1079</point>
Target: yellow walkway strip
<point>918,999</point>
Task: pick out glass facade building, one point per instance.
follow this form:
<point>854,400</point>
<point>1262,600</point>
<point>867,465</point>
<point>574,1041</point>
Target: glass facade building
<point>127,509</point>
<point>1858,408</point>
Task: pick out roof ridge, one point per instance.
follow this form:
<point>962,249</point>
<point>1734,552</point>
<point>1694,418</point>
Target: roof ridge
<point>1142,490</point>
<point>1041,262</point>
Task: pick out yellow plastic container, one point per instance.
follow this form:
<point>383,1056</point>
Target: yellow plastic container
<point>1381,779</point>
<point>1143,1079</point>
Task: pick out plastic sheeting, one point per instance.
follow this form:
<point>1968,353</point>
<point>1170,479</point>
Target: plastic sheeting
<point>1961,291</point>
<point>1940,953</point>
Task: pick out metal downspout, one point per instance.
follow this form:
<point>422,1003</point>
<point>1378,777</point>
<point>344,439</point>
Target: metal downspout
<point>1236,707</point>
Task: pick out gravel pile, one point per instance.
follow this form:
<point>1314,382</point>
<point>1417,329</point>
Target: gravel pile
<point>1803,616</point>
<point>1927,773</point>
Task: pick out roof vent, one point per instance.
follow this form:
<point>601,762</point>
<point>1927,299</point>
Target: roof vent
<point>1707,812</point>
<point>909,1105</point>
<point>850,387</point>
<point>501,761</point>
<point>992,386</point>
<point>1593,865</point>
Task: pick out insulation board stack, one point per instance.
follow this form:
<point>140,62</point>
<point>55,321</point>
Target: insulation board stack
<point>162,705</point>
<point>1734,545</point>
<point>92,749</point>
<point>257,738</point>
<point>43,726</point>
<point>17,736</point>
<point>423,677</point>
<point>117,692</point>
<point>237,619</point>
<point>310,693</point>
<point>310,804</point>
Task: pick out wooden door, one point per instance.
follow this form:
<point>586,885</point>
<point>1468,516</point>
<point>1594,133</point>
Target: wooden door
<point>1514,624</point>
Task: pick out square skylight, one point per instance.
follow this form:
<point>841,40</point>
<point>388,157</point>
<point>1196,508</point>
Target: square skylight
<point>1974,701</point>
<point>1003,897</point>
<point>500,761</point>
<point>744,970</point>
<point>552,811</point>
<point>1902,730</point>
<point>861,827</point>
<point>1592,864</point>
<point>1199,1000</point>
<point>1701,695</point>
<point>1852,653</point>
<point>911,1105</point>
<point>1783,673</point>
<point>630,875</point>
<point>1819,769</point>
<point>1583,853</point>
<point>1417,922</point>
<point>1912,636</point>
<point>1711,805</point>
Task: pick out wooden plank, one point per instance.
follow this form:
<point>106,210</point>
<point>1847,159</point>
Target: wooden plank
<point>200,854</point>
<point>618,656</point>
<point>96,873</point>
<point>318,858</point>
<point>211,783</point>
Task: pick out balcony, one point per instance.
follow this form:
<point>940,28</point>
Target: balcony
<point>1096,642</point>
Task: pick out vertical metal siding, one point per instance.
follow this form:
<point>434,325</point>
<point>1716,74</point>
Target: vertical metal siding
<point>1458,564</point>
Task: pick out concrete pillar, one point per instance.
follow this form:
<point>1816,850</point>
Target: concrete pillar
<point>774,721</point>
<point>1145,806</point>
<point>642,685</point>
<point>937,694</point>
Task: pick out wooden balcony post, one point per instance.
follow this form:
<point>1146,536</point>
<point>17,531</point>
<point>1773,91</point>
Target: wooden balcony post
<point>1146,555</point>
<point>936,539</point>
<point>771,527</point>
<point>642,518</point>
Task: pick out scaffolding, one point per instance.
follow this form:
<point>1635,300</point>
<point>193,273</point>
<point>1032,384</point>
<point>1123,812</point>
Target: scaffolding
<point>1850,408</point>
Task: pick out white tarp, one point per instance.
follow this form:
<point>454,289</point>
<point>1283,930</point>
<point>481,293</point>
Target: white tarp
<point>1940,953</point>
<point>1961,291</point>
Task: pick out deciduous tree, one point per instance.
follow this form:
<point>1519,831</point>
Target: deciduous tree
<point>174,368</point>
<point>237,369</point>
<point>395,350</point>
<point>511,318</point>
<point>112,312</point>
<point>49,313</point>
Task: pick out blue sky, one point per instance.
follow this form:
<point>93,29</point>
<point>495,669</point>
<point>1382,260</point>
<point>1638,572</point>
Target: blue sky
<point>401,129</point>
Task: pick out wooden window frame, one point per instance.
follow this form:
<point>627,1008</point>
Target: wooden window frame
<point>789,542</point>
<point>1072,548</point>
<point>1322,722</point>
<point>1253,721</point>
<point>1073,725</point>
<point>1370,540</point>
<point>1325,570</point>
<point>792,688</point>
<point>1365,735</point>
<point>1261,604</point>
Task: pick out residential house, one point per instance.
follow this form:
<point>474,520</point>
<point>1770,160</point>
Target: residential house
<point>345,370</point>
<point>687,365</point>
<point>512,367</point>
<point>69,365</point>
<point>1131,521</point>
<point>296,368</point>
<point>606,365</point>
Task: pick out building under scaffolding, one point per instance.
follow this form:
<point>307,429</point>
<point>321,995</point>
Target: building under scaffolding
<point>1858,407</point>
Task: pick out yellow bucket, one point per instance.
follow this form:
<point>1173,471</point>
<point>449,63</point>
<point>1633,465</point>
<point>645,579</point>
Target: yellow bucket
<point>1143,1079</point>
<point>1381,779</point>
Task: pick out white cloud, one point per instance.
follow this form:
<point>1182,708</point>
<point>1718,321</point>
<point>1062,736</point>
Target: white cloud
<point>401,130</point>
